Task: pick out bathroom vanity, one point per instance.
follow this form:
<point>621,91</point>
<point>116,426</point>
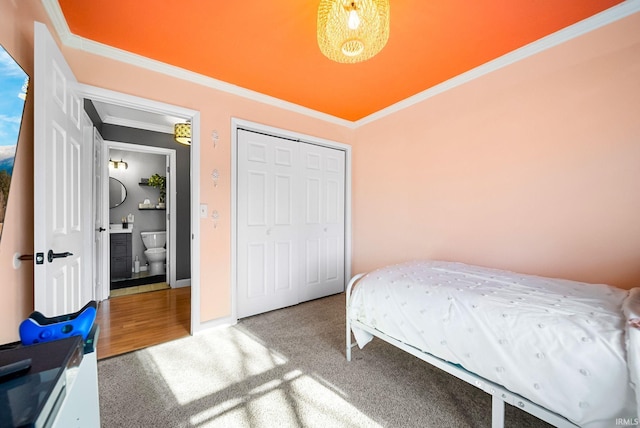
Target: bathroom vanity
<point>120,252</point>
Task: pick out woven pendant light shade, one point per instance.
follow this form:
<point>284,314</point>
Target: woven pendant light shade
<point>182,133</point>
<point>351,31</point>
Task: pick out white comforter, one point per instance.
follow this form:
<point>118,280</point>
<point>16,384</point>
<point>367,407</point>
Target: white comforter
<point>561,344</point>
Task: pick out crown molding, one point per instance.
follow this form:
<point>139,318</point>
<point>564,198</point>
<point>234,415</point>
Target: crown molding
<point>601,19</point>
<point>111,120</point>
<point>615,13</point>
<point>69,39</point>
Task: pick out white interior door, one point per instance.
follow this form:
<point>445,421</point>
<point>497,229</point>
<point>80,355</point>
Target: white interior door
<point>323,180</point>
<point>62,190</point>
<point>267,232</point>
<point>170,195</point>
<point>291,222</point>
<point>101,218</point>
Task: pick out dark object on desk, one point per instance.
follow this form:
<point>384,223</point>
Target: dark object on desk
<point>33,400</point>
<point>38,328</point>
<point>15,369</point>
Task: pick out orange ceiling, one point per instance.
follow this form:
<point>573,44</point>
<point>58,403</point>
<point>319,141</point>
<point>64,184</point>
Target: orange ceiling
<point>270,46</point>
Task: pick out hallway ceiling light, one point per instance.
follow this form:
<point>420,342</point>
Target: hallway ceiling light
<point>351,31</point>
<point>182,133</point>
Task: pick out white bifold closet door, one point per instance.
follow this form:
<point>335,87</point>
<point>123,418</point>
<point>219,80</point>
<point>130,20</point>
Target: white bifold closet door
<point>291,210</point>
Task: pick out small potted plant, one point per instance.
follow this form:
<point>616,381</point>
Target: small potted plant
<point>158,181</point>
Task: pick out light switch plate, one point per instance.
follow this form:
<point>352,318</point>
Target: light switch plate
<point>203,210</point>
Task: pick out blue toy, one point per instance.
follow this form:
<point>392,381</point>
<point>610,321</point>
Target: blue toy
<point>38,328</point>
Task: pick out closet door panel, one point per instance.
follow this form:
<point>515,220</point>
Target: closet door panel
<point>267,244</point>
<point>284,266</point>
<point>283,201</point>
<point>291,222</point>
<point>312,262</point>
<point>256,276</point>
<point>313,200</point>
<point>256,198</point>
<point>334,252</point>
<point>323,171</point>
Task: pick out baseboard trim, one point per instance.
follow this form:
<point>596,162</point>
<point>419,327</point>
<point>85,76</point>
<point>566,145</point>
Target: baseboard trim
<point>217,323</point>
<point>183,283</point>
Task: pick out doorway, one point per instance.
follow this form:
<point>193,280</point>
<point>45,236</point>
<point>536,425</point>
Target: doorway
<point>141,108</point>
<point>141,205</point>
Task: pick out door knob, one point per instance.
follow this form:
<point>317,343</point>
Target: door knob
<point>51,255</point>
<point>101,229</point>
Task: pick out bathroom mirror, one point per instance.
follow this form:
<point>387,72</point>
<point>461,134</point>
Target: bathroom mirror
<point>117,192</point>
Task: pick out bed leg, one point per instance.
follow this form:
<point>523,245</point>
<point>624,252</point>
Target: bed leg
<point>348,340</point>
<point>497,412</point>
<point>348,297</point>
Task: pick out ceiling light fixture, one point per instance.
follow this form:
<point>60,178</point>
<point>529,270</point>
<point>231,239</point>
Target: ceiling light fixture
<point>182,133</point>
<point>352,31</point>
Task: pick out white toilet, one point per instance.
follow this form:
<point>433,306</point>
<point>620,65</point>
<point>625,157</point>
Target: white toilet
<point>155,252</point>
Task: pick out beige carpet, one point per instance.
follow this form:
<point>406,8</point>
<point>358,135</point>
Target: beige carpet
<point>287,368</point>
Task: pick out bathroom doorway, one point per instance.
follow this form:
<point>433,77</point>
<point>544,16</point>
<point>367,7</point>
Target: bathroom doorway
<point>140,204</point>
<point>136,114</point>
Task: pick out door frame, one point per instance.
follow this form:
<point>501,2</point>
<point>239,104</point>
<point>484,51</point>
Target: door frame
<point>118,98</point>
<point>171,195</point>
<point>291,135</point>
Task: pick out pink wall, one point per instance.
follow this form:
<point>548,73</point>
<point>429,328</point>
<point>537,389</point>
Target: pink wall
<point>534,168</point>
<point>16,285</point>
<point>216,110</point>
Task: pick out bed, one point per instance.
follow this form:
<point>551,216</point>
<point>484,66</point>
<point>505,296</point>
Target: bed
<point>564,351</point>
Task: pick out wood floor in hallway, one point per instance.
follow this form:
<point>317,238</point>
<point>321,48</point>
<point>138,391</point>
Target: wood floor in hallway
<point>129,323</point>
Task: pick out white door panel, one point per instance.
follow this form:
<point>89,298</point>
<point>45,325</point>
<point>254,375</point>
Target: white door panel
<point>266,235</point>
<point>100,219</point>
<point>61,284</point>
<point>324,175</point>
<point>291,216</point>
<point>284,269</point>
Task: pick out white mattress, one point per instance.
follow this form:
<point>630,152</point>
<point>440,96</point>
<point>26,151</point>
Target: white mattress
<point>558,343</point>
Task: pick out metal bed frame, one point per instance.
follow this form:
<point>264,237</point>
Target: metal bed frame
<point>499,394</point>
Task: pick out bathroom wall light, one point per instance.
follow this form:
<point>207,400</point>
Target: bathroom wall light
<point>182,133</point>
<point>118,164</point>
